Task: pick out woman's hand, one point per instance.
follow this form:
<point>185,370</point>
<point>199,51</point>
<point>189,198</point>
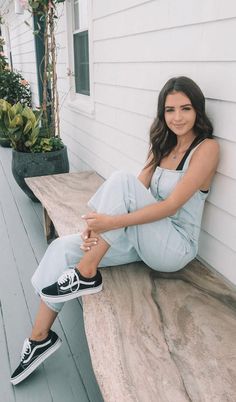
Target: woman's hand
<point>88,241</point>
<point>99,223</point>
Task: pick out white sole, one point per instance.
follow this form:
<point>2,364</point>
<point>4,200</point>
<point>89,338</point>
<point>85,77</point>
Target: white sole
<point>36,363</point>
<point>64,298</point>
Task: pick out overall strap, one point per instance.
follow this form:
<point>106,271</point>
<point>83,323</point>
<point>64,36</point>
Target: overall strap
<point>186,163</point>
<point>192,145</point>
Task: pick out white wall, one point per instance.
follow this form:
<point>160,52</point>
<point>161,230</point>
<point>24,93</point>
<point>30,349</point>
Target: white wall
<point>136,46</point>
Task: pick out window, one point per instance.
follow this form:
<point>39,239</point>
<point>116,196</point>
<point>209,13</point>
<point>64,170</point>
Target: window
<point>81,47</point>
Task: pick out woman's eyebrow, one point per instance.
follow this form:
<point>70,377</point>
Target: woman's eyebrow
<point>187,104</point>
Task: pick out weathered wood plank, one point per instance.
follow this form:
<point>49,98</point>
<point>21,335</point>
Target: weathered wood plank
<point>169,337</point>
<point>70,193</point>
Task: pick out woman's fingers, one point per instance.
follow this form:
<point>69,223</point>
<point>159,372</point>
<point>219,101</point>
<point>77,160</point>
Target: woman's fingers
<point>86,234</point>
<point>88,243</point>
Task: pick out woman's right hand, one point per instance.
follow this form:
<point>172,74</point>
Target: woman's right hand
<point>88,241</point>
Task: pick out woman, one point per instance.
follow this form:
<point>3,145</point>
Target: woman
<point>154,218</point>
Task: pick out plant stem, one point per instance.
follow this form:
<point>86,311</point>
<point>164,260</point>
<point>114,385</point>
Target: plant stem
<point>46,60</point>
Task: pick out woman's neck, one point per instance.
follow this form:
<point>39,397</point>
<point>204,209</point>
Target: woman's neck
<point>183,143</point>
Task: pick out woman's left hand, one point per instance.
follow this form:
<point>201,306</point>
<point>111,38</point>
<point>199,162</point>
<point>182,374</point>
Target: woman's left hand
<point>99,223</point>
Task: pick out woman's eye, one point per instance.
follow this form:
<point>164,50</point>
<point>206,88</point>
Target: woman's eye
<point>186,108</point>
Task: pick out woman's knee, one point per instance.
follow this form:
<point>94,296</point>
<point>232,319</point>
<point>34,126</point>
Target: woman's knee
<point>65,242</point>
<point>120,176</point>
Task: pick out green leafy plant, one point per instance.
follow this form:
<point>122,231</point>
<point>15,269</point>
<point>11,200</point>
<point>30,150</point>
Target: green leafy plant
<point>4,107</point>
<point>14,88</point>
<point>22,125</point>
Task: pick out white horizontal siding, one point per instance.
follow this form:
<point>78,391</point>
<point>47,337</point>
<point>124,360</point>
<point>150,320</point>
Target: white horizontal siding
<point>227,164</point>
<point>152,75</point>
<point>133,124</point>
<point>218,256</point>
<point>103,8</point>
<point>212,224</point>
<point>223,114</point>
<point>22,47</point>
<point>223,194</point>
<point>109,144</point>
<point>129,99</point>
<point>146,47</point>
<point>160,15</point>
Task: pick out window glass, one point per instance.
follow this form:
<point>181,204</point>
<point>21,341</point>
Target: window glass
<point>81,47</point>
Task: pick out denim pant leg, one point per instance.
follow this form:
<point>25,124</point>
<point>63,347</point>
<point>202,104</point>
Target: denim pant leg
<point>65,252</point>
<point>158,243</point>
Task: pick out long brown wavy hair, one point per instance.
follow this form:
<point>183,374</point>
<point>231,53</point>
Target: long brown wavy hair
<point>162,139</point>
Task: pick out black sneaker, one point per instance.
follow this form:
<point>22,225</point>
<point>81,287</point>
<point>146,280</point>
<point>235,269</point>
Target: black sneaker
<point>33,354</point>
<point>70,285</point>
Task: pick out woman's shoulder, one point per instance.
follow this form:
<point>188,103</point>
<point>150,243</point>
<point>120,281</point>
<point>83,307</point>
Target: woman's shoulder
<point>208,144</point>
<point>208,148</point>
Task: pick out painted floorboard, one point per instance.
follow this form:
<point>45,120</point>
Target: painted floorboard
<point>22,245</point>
<point>16,318</point>
<point>31,220</point>
<point>6,390</point>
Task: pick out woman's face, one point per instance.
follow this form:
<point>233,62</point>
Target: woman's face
<point>179,114</point>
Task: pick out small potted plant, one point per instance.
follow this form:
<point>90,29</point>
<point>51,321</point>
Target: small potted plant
<point>13,88</point>
<point>35,135</point>
<point>35,153</point>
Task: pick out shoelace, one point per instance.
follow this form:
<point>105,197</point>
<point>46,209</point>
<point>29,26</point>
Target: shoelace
<point>26,349</point>
<point>69,275</point>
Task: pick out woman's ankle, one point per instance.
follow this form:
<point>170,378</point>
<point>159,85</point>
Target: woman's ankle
<point>38,335</point>
<point>86,272</point>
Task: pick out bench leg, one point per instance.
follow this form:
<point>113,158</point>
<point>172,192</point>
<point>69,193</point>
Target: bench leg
<point>49,228</point>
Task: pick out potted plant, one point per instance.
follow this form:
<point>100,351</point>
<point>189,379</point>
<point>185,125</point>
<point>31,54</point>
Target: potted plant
<point>13,88</point>
<point>34,152</point>
<point>35,136</point>
<point>4,139</point>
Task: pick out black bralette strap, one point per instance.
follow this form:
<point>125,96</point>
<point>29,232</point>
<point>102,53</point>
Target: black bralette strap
<point>195,142</point>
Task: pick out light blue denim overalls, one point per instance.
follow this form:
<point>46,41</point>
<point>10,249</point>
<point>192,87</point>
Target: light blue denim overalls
<point>164,245</point>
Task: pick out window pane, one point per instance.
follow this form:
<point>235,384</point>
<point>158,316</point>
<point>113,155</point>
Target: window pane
<point>81,57</point>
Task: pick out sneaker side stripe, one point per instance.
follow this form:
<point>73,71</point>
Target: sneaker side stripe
<point>34,349</point>
<point>77,283</point>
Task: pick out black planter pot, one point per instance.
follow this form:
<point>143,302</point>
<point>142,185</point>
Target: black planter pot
<point>26,164</point>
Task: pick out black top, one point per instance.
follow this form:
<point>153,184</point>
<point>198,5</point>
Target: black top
<point>195,142</point>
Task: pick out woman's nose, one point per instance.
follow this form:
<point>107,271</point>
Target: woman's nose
<point>177,115</point>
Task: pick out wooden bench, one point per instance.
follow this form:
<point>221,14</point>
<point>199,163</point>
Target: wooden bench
<point>64,198</point>
<point>153,337</point>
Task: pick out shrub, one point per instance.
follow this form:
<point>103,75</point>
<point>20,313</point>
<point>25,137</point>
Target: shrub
<point>14,88</point>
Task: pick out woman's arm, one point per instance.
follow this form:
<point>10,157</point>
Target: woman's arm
<point>199,173</point>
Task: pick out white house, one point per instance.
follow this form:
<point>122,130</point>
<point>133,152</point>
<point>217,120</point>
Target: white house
<point>125,51</point>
